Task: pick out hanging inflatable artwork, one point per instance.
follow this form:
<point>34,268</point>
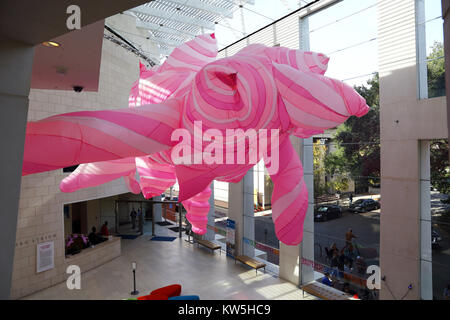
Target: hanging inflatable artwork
<point>184,118</point>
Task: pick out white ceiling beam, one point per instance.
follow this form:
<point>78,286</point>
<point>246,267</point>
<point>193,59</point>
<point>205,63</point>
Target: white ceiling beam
<point>165,51</point>
<point>156,27</point>
<point>197,4</point>
<point>316,7</point>
<point>173,16</point>
<point>167,42</point>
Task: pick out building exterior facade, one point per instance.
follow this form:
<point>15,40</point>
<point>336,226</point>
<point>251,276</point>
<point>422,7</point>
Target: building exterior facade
<point>409,120</point>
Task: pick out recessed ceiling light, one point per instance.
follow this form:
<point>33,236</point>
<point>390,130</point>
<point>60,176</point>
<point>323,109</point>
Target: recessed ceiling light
<point>52,44</point>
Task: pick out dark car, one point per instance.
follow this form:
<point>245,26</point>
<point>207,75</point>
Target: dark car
<point>364,205</point>
<point>435,239</point>
<point>324,213</point>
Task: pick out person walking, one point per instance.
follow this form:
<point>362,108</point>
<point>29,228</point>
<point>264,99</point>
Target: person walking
<point>133,218</point>
<point>349,235</point>
<point>140,217</point>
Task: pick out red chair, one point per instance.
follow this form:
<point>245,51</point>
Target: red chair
<point>154,297</point>
<point>169,291</point>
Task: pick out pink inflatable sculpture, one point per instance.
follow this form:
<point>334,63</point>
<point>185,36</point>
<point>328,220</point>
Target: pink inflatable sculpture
<point>204,102</point>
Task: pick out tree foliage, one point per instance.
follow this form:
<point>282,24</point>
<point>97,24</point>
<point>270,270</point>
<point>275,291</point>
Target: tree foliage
<point>439,163</point>
<point>358,151</point>
<point>440,176</point>
<point>358,142</point>
<point>436,71</point>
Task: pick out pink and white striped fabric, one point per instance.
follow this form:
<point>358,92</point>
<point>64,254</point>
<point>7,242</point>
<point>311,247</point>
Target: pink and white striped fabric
<point>94,174</point>
<point>155,178</point>
<point>91,136</point>
<point>290,196</point>
<point>281,90</point>
<point>197,208</point>
<point>171,80</point>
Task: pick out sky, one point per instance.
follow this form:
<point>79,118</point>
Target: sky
<point>346,32</point>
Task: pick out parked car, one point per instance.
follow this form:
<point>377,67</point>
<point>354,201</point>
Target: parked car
<point>364,205</point>
<point>435,238</point>
<point>446,200</point>
<point>324,213</point>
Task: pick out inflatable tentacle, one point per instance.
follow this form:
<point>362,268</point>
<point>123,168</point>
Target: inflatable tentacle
<point>197,209</point>
<point>132,183</point>
<point>94,174</point>
<point>92,136</point>
<point>289,197</point>
<point>315,102</point>
<point>154,178</point>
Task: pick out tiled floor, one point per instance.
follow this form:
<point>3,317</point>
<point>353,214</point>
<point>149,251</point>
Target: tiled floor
<point>211,276</point>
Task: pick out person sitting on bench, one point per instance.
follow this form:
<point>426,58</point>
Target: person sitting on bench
<point>327,280</point>
<point>94,238</point>
<point>104,230</point>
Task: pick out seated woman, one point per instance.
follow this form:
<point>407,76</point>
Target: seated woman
<point>104,230</point>
<point>94,238</point>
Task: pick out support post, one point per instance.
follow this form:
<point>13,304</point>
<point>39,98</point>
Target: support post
<point>16,62</point>
<point>180,222</point>
<point>153,219</point>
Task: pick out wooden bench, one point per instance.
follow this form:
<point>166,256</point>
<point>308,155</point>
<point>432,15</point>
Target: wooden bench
<point>324,292</point>
<point>210,245</point>
<point>255,264</point>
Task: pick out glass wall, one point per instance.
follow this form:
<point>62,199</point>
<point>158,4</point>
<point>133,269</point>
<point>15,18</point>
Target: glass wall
<point>346,159</point>
<point>260,240</point>
<point>218,225</point>
<point>440,218</point>
<point>431,50</point>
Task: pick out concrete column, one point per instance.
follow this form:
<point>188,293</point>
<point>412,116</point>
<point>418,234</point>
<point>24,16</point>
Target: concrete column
<point>307,246</point>
<point>422,66</point>
<point>291,267</point>
<point>240,207</point>
<point>16,61</point>
<point>210,235</point>
<point>405,254</point>
<point>157,210</point>
<point>262,182</point>
<point>249,214</point>
<point>426,265</point>
<point>446,17</point>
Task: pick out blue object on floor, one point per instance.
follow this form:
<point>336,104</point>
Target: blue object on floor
<point>185,298</point>
<point>128,236</point>
<point>157,238</point>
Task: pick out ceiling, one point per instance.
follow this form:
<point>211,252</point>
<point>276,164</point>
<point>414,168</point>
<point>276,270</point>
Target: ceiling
<point>173,22</point>
<point>32,21</point>
<point>75,63</point>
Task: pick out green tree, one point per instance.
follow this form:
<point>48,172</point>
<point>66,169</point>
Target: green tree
<point>358,142</point>
<point>436,71</point>
<point>440,175</point>
<point>440,167</point>
<point>319,154</point>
